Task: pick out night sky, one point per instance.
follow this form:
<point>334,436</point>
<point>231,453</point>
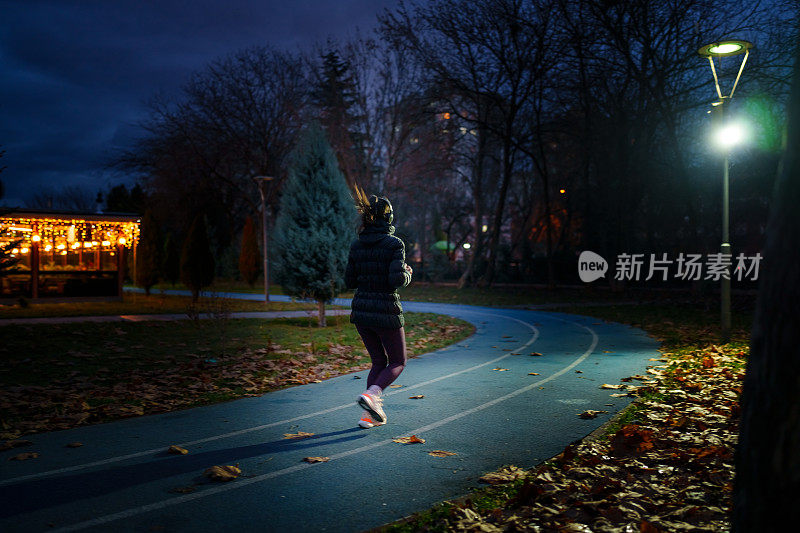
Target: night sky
<point>75,75</point>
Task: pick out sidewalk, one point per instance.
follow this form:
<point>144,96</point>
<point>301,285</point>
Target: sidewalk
<point>164,317</point>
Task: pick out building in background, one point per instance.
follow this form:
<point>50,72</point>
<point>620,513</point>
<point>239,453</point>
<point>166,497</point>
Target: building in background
<point>67,254</point>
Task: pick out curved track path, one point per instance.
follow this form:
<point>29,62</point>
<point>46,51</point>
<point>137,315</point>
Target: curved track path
<point>122,479</point>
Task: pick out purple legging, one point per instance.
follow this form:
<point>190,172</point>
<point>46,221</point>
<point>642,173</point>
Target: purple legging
<point>387,349</point>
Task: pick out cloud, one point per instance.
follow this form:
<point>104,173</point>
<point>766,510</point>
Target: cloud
<point>74,75</point>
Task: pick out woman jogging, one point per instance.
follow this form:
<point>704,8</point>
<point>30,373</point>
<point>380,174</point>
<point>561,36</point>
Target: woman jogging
<point>376,268</point>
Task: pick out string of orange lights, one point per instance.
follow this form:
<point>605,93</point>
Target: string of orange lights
<point>60,234</point>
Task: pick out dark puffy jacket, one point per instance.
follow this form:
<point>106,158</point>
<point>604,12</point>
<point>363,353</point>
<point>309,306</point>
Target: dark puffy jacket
<point>375,268</point>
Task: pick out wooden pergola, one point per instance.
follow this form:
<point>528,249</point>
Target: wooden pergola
<point>67,254</point>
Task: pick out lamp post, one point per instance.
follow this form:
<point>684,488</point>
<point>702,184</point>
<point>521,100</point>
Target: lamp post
<point>727,137</point>
<point>261,182</point>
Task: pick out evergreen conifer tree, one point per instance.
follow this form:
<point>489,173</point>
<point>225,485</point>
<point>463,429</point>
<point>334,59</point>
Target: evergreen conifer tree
<point>315,224</point>
<point>197,261</point>
<point>148,253</point>
<point>249,266</point>
<point>171,260</point>
<point>334,95</point>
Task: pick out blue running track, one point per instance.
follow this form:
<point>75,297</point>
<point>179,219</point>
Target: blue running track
<point>122,479</point>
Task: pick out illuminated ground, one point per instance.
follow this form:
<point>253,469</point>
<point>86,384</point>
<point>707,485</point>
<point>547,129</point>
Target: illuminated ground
<point>122,479</point>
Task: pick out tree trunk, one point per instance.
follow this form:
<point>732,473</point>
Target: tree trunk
<point>321,312</point>
<point>477,193</point>
<point>498,214</point>
<point>767,486</point>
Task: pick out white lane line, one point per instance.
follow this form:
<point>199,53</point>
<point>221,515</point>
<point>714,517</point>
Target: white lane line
<point>249,481</point>
<point>151,451</point>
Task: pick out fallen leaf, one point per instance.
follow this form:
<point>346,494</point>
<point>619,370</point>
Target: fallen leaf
<point>222,473</point>
<point>177,450</point>
<point>298,435</point>
<point>16,443</point>
<point>24,456</point>
<point>395,386</point>
<point>316,459</point>
<point>607,386</point>
<point>579,371</point>
<point>75,444</point>
<point>417,397</point>
<point>500,369</point>
<point>535,354</point>
<point>184,490</point>
<point>631,439</point>
<point>533,373</point>
<point>506,474</point>
<point>590,413</point>
<point>441,453</point>
<point>413,439</point>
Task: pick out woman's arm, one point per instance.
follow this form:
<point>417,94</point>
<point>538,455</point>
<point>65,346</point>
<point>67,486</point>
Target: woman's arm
<point>399,275</point>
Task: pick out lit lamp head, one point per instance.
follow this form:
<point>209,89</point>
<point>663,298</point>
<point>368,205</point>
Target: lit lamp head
<point>729,135</point>
<point>725,48</point>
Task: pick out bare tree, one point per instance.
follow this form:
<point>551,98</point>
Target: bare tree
<point>234,120</point>
<point>70,197</point>
<point>492,70</point>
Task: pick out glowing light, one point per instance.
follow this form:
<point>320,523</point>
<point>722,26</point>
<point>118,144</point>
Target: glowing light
<point>87,245</point>
<point>48,248</point>
<point>729,135</point>
<point>61,246</point>
<point>15,251</point>
<point>106,243</point>
<point>562,191</point>
<point>121,240</point>
<point>725,48</point>
<point>64,252</point>
<point>484,228</point>
<point>467,246</point>
<point>446,116</point>
<point>15,228</point>
<point>36,238</point>
<point>24,250</point>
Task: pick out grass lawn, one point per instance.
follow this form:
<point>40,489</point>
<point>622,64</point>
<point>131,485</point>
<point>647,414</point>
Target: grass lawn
<point>64,375</point>
<point>226,285</point>
<point>139,304</point>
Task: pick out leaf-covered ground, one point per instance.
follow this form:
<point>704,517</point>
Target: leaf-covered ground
<point>67,375</point>
<point>667,464</point>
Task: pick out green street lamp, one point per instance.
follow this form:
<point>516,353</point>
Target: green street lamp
<point>727,135</point>
<point>262,182</point>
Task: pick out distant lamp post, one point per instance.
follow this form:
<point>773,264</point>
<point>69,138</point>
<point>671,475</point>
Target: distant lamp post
<point>262,182</point>
<point>727,135</point>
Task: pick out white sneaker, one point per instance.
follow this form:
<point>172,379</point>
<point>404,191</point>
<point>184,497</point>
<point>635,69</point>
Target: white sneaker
<point>367,421</point>
<point>374,406</point>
